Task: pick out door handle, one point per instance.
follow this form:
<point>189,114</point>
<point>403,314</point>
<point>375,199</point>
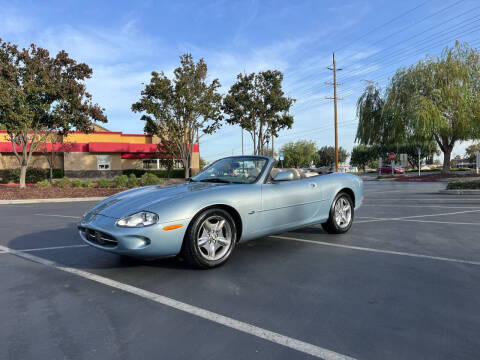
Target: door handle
<point>313,185</point>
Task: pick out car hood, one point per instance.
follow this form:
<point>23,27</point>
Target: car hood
<point>146,198</point>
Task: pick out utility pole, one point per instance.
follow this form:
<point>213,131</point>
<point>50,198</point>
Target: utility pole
<point>335,98</point>
<point>242,141</point>
<point>273,149</point>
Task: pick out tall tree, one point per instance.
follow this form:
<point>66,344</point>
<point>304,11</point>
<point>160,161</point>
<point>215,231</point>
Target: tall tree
<point>471,152</point>
<point>299,154</point>
<point>257,103</point>
<point>39,95</point>
<point>52,144</point>
<point>167,152</point>
<point>176,110</point>
<point>326,155</point>
<point>437,99</point>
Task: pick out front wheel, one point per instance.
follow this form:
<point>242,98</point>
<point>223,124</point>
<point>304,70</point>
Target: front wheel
<point>210,239</point>
<point>341,215</point>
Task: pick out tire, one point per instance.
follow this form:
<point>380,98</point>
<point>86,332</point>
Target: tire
<point>205,244</point>
<point>336,223</point>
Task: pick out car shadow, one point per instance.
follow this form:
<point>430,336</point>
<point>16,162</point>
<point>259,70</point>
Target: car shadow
<point>74,254</point>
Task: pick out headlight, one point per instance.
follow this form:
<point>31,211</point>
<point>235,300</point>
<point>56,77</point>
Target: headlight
<point>140,219</point>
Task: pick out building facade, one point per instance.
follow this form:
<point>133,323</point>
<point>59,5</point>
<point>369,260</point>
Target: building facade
<point>101,153</point>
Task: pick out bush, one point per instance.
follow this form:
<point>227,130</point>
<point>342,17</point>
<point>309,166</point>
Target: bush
<point>63,182</point>
<point>150,179</point>
<point>57,173</point>
<point>77,183</point>
<point>132,181</point>
<point>33,175</point>
<point>44,183</point>
<point>103,183</point>
<point>87,184</point>
<point>175,173</point>
<point>464,184</point>
<point>120,181</point>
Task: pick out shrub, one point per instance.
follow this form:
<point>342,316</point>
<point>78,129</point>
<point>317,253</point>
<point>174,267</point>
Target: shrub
<point>150,179</point>
<point>464,184</point>
<point>33,175</point>
<point>120,181</point>
<point>43,183</point>
<point>175,173</point>
<point>103,183</point>
<point>63,182</point>
<point>58,173</point>
<point>132,181</point>
<point>87,184</point>
<point>77,183</point>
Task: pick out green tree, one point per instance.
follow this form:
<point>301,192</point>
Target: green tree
<point>299,154</point>
<point>471,152</point>
<point>437,99</point>
<point>51,144</point>
<point>202,163</point>
<point>257,103</point>
<point>167,153</point>
<point>41,95</point>
<point>362,155</point>
<point>179,109</point>
<point>326,156</point>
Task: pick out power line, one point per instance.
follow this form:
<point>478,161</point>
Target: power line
<point>418,21</point>
<point>383,25</point>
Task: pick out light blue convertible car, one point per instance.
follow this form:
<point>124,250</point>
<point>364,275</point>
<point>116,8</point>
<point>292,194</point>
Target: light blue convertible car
<point>235,199</point>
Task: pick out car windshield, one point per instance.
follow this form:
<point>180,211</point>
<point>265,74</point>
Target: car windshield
<point>237,170</point>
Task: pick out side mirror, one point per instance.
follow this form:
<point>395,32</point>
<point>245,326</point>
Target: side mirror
<point>283,176</point>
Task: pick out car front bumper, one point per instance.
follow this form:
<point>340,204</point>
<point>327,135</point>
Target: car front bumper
<point>149,242</point>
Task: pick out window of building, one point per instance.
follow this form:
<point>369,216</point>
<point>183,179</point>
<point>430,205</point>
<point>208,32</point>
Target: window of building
<point>149,164</point>
<point>103,162</point>
<point>154,164</point>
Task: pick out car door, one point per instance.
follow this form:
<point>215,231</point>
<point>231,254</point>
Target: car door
<point>287,204</point>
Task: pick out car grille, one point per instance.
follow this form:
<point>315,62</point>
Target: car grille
<point>98,237</point>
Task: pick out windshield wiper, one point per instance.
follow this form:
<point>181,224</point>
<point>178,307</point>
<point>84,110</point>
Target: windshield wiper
<point>217,180</point>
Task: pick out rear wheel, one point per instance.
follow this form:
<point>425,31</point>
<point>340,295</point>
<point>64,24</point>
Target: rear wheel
<point>341,215</point>
<point>210,239</point>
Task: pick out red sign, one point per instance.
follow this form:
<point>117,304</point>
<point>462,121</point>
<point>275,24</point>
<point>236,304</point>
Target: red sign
<point>391,156</point>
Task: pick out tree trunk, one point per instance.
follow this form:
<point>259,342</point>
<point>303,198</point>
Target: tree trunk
<point>446,160</point>
<point>51,175</point>
<point>23,175</point>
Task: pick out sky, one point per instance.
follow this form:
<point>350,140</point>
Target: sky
<point>124,41</point>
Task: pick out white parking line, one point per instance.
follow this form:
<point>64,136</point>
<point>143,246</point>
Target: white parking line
<point>54,248</point>
<point>360,248</point>
<point>415,216</point>
<point>422,206</point>
<point>274,337</point>
<point>64,216</point>
<point>441,222</point>
<point>426,199</point>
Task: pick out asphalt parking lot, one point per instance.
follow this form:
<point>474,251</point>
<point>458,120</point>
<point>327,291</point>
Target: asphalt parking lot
<point>402,284</point>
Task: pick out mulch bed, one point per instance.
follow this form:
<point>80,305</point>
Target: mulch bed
<point>11,193</point>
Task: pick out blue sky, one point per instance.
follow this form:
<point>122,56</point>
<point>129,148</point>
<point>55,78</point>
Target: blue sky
<point>124,41</point>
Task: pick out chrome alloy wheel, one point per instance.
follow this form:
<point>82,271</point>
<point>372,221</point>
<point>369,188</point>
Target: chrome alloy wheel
<point>343,212</point>
<point>214,237</point>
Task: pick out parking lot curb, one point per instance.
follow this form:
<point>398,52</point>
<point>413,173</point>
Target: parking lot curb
<point>459,192</point>
<point>52,200</point>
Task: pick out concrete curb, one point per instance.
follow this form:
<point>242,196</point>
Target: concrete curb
<point>58,200</point>
<point>459,192</point>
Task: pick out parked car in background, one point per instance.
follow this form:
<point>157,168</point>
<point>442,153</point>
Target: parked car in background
<point>387,169</point>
